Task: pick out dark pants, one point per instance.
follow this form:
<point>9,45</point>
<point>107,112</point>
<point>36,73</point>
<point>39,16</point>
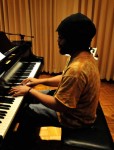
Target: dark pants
<point>36,115</point>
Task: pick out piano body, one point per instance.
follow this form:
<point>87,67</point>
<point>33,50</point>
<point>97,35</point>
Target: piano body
<point>18,64</point>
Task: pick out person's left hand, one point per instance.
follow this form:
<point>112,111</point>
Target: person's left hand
<point>19,90</point>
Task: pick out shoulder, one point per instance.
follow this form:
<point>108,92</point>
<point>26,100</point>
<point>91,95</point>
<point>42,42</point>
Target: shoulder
<point>81,67</point>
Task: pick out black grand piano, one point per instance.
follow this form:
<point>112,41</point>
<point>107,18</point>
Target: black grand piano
<point>17,64</point>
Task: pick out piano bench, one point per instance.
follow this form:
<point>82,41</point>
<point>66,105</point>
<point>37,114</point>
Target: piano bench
<point>97,137</point>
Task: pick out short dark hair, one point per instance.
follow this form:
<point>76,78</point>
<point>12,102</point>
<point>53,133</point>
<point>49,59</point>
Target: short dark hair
<point>78,29</point>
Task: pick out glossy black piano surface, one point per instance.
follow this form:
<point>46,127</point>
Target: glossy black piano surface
<point>18,64</point>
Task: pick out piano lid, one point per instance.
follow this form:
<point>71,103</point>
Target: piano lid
<point>5,43</point>
<point>13,55</point>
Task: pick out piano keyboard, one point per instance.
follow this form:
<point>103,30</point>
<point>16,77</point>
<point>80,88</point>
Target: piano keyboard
<point>8,112</point>
<point>10,105</point>
<point>22,71</point>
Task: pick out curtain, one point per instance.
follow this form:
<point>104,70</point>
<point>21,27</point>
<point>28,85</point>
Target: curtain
<point>40,18</point>
<point>104,20</point>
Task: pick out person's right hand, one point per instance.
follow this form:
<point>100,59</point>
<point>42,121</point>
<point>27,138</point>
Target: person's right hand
<point>30,81</point>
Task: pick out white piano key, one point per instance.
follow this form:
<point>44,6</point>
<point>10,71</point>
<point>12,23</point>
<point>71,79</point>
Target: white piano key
<point>34,70</point>
<point>6,122</point>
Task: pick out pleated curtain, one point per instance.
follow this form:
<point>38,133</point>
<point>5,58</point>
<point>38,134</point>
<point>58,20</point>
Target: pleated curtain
<point>40,18</point>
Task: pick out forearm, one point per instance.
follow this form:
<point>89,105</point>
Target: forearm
<point>48,101</point>
<point>53,81</point>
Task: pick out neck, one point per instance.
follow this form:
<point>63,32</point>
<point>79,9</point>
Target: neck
<point>76,53</point>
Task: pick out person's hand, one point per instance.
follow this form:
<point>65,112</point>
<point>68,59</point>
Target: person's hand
<point>30,81</point>
<point>19,90</point>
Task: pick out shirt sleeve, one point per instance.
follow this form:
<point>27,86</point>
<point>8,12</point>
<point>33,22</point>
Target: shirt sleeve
<point>70,90</point>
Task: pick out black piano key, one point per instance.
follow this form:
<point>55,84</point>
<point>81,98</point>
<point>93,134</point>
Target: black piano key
<point>13,80</point>
<point>8,100</point>
<point>15,84</point>
<point>27,70</point>
<point>27,66</point>
<point>6,108</point>
<point>2,114</point>
<point>30,67</point>
<point>22,74</point>
<point>17,77</point>
<point>1,117</point>
<point>4,105</point>
<point>16,80</point>
<point>23,77</point>
<point>18,72</point>
<point>2,111</point>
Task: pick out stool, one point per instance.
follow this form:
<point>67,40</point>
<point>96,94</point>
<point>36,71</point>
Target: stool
<point>97,137</point>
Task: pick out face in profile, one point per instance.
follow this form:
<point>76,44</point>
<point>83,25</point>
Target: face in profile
<point>63,45</point>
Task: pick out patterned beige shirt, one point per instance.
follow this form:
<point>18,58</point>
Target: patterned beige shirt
<point>79,91</point>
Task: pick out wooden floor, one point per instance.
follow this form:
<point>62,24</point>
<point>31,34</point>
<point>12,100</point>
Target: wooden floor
<point>107,103</point>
